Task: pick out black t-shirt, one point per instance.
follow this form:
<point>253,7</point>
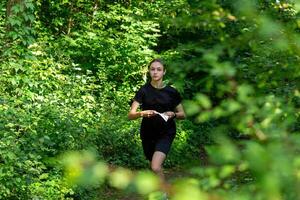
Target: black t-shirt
<point>160,100</point>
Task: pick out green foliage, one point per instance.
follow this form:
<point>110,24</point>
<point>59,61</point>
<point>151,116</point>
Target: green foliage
<point>69,69</point>
<point>56,95</point>
<point>19,22</point>
<point>118,142</point>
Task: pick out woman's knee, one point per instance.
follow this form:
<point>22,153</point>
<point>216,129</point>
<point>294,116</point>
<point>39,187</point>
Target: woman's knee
<point>156,168</point>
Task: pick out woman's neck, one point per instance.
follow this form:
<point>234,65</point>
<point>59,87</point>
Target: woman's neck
<point>157,84</point>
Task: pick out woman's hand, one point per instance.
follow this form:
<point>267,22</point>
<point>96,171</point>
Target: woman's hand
<point>147,113</point>
<point>170,114</point>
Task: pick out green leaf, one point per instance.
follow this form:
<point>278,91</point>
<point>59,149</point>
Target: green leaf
<point>191,107</point>
<point>146,182</point>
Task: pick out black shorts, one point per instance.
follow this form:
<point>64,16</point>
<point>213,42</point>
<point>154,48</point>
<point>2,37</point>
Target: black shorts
<point>162,144</point>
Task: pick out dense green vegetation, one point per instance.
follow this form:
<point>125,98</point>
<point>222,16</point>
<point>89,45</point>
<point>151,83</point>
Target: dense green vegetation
<point>68,70</point>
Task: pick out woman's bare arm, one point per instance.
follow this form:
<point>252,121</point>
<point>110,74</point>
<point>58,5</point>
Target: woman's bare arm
<point>179,112</point>
<point>134,114</point>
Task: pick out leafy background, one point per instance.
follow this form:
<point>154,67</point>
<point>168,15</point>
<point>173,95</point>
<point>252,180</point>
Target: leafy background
<point>69,70</point>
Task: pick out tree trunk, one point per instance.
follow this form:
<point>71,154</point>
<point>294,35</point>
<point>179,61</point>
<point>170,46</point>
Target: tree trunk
<point>10,4</point>
<point>9,12</point>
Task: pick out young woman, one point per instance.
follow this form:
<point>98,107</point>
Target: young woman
<point>155,99</point>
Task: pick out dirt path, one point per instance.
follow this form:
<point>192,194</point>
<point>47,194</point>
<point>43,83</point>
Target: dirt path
<point>109,193</point>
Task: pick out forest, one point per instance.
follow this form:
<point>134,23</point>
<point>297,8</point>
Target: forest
<point>69,70</point>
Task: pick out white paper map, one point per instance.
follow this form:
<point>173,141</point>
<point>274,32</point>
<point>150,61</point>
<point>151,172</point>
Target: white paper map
<point>164,116</point>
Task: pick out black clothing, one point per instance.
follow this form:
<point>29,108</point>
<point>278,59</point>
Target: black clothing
<point>156,134</point>
<point>162,144</point>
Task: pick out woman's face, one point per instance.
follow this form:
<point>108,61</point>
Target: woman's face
<point>156,71</point>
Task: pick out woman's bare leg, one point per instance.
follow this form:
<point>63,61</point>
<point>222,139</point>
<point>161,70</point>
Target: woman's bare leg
<point>156,164</point>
